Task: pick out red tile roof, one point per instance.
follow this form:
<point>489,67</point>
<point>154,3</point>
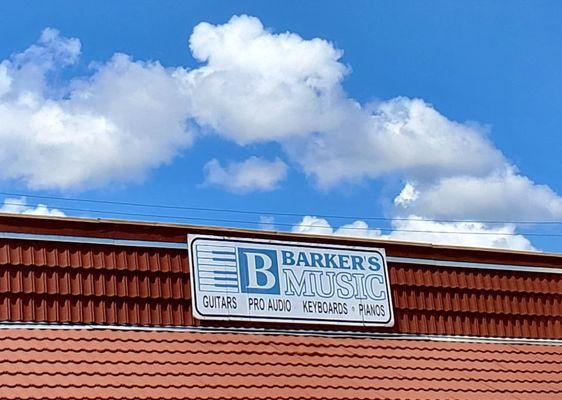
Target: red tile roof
<point>105,284</point>
<point>112,364</point>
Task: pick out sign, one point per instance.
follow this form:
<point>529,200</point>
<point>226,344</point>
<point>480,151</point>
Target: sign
<point>277,281</point>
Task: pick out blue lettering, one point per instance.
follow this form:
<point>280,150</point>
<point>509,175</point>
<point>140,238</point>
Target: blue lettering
<point>320,281</point>
<point>316,259</point>
<point>288,257</point>
<point>359,286</point>
<point>357,262</point>
<point>374,264</point>
<point>345,288</point>
<point>302,260</point>
<point>344,261</point>
<point>330,261</point>
<point>370,286</point>
<point>298,286</point>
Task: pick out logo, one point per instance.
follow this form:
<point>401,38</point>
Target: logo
<point>217,268</point>
<point>259,271</point>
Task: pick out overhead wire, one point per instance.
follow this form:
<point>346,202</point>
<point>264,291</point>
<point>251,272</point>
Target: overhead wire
<point>276,213</point>
<point>232,221</point>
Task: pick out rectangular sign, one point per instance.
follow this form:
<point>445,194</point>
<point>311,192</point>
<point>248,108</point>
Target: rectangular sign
<point>275,281</point>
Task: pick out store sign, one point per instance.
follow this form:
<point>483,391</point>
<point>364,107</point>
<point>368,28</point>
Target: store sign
<point>260,280</point>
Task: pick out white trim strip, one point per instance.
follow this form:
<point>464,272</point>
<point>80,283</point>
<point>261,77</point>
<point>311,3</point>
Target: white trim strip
<point>463,264</point>
<point>183,246</point>
<point>93,240</point>
<point>287,332</point>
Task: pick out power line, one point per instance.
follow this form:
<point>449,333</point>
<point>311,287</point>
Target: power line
<point>231,221</point>
<point>275,213</point>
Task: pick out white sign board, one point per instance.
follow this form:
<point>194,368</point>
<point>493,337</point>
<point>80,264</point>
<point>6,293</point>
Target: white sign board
<point>274,281</point>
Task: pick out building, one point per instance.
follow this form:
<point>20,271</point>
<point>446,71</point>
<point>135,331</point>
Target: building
<point>96,309</point>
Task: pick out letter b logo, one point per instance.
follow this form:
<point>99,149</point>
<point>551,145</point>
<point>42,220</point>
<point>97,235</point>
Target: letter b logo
<point>259,272</point>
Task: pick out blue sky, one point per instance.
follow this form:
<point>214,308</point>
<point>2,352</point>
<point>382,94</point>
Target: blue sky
<point>486,76</point>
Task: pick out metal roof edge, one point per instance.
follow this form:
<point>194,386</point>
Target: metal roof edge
<point>92,240</point>
<point>285,332</point>
<point>473,265</point>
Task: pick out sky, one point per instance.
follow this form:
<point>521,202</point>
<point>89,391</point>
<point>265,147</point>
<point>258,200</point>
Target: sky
<point>429,121</point>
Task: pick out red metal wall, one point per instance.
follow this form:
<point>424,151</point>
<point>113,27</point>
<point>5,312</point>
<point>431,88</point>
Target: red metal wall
<point>104,284</point>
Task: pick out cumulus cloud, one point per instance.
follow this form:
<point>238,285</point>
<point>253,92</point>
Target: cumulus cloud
<point>400,136</point>
<point>357,229</point>
<point>114,125</point>
<point>417,229</point>
<point>314,226</point>
<point>474,234</point>
<point>501,195</point>
<point>407,196</point>
<point>252,174</point>
<point>267,223</point>
<point>257,86</point>
<point>19,206</point>
<point>320,226</point>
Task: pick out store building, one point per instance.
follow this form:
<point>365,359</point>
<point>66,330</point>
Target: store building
<point>95,309</point>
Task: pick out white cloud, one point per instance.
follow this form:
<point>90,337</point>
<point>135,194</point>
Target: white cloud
<point>473,234</point>
<point>400,136</point>
<point>252,174</point>
<point>115,125</point>
<point>416,229</point>
<point>501,195</point>
<point>257,86</point>
<point>320,226</point>
<point>267,223</point>
<point>19,206</point>
<point>408,195</point>
<point>357,229</point>
<point>5,79</point>
<point>314,226</point>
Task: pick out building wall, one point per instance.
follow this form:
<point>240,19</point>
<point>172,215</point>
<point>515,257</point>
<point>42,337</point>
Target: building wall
<point>79,283</point>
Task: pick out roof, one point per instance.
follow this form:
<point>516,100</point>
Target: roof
<point>59,272</point>
<point>110,364</point>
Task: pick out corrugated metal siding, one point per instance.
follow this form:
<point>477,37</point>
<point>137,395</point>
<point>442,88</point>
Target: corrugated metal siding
<point>97,284</point>
<point>77,283</point>
<point>455,301</point>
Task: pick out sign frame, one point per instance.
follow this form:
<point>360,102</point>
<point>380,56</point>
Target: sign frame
<point>193,238</point>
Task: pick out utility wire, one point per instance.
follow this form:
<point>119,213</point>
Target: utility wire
<point>274,213</point>
<point>231,221</point>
